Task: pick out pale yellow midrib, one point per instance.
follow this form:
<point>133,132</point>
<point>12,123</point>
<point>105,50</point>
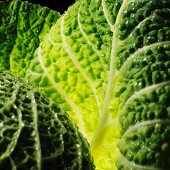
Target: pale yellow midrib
<point>112,74</point>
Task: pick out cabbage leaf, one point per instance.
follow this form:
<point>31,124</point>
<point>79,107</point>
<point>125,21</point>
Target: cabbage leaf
<point>22,27</point>
<point>107,63</point>
<point>35,133</point>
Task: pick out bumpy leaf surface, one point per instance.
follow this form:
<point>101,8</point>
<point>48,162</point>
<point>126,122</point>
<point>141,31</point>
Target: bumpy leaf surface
<point>106,59</point>
<point>22,27</point>
<point>35,133</point>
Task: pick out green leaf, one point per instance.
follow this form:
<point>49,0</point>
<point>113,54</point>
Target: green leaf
<point>72,65</point>
<point>35,133</point>
<point>105,62</point>
<point>22,27</point>
<point>97,61</point>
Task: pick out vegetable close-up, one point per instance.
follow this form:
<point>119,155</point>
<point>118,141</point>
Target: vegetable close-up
<point>35,133</point>
<point>105,63</point>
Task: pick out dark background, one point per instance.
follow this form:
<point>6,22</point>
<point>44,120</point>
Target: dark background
<point>58,5</point>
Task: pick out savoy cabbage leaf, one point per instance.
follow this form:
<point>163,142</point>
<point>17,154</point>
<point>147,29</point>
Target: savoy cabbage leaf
<point>35,133</point>
<point>107,63</point>
<point>22,27</point>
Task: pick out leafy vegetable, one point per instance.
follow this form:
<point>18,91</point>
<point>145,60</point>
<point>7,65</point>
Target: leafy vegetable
<point>109,60</point>
<point>107,64</point>
<point>35,133</point>
<point>22,27</point>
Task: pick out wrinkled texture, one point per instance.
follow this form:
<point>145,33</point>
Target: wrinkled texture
<point>107,64</point>
<point>22,27</point>
<point>71,66</point>
<point>108,60</point>
<point>35,133</point>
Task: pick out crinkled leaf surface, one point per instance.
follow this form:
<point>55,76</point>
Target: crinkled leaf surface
<point>102,60</point>
<point>72,66</point>
<point>35,133</point>
<point>106,59</point>
<point>22,27</point>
